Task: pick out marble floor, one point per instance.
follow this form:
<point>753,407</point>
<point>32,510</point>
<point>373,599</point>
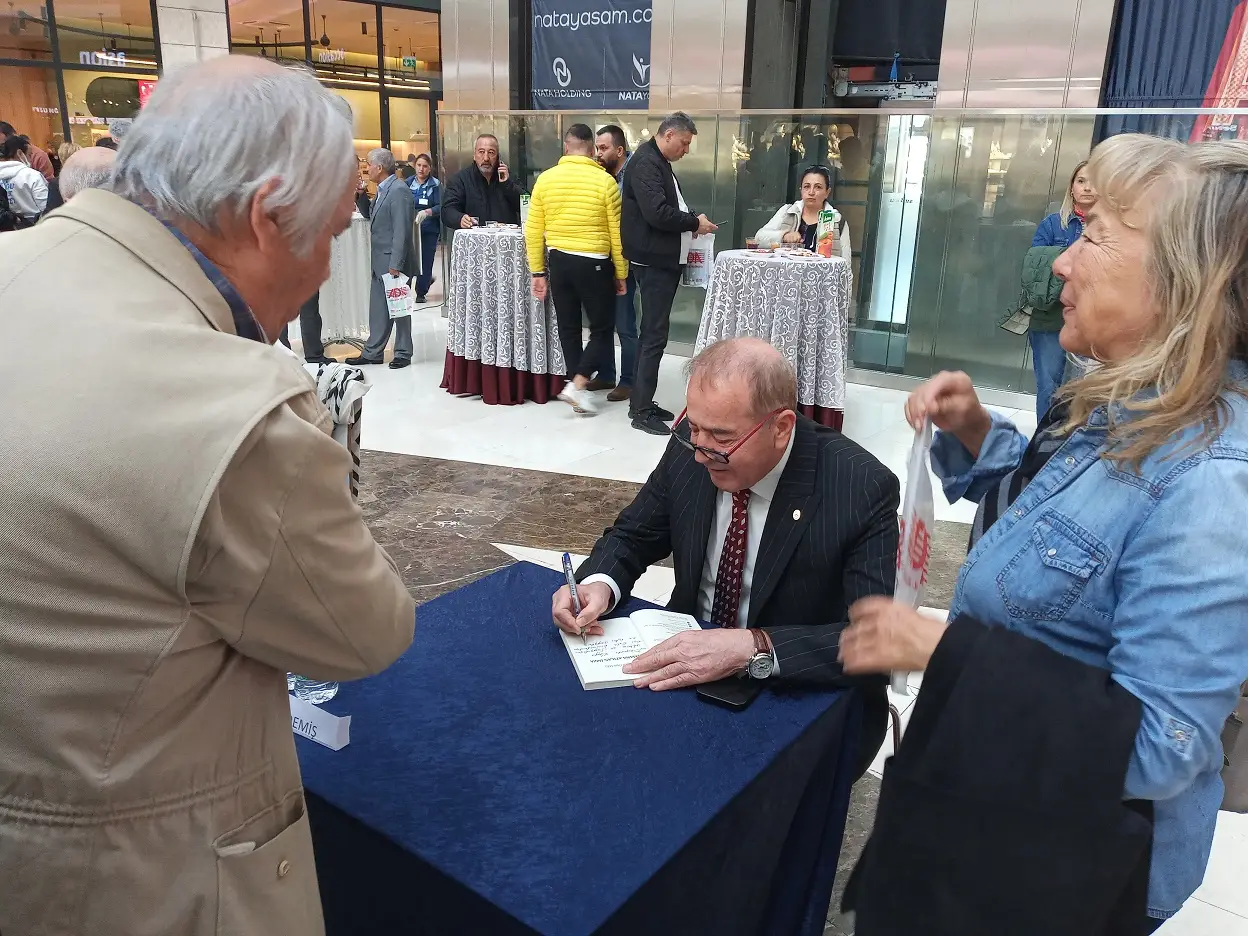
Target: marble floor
<point>455,489</point>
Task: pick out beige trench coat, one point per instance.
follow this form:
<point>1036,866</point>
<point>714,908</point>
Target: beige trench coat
<point>175,534</point>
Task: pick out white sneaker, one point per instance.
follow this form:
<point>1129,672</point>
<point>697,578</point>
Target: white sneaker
<point>582,401</point>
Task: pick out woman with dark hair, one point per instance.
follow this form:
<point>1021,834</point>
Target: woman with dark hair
<point>428,194</point>
<point>25,188</point>
<point>796,225</point>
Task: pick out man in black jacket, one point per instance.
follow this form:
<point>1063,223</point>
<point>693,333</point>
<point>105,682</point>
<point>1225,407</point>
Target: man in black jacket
<point>657,227</point>
<point>482,192</point>
<point>775,525</point>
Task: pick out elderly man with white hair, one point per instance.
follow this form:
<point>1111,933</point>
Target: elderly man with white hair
<point>178,531</point>
<point>86,169</point>
<point>394,252</point>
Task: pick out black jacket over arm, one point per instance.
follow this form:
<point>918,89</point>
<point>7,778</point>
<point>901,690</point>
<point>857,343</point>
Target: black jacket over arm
<point>830,539</point>
<point>1002,812</point>
<point>469,194</point>
<point>652,222</point>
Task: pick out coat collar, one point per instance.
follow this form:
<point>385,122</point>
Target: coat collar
<point>152,244</point>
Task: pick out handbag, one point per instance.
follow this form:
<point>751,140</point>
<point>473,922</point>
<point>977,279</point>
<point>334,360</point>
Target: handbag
<point>1235,757</point>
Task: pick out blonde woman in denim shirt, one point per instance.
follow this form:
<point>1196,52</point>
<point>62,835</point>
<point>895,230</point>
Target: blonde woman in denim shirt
<point>1119,536</point>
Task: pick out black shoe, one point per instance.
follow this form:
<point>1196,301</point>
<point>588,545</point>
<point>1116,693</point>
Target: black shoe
<point>321,359</point>
<point>650,422</point>
<point>359,360</point>
<point>400,362</point>
<point>659,411</point>
<point>421,300</point>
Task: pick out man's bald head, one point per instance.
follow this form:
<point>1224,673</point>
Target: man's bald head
<point>87,168</point>
<point>770,378</point>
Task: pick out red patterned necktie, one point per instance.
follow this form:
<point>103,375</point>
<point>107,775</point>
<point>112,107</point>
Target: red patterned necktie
<point>731,564</point>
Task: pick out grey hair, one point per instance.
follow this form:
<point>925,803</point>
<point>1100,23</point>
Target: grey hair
<point>213,135</point>
<point>771,379</point>
<point>680,122</point>
<point>77,176</point>
<point>383,159</point>
<point>118,127</point>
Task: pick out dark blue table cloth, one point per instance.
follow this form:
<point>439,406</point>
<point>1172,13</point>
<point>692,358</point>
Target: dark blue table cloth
<point>485,792</point>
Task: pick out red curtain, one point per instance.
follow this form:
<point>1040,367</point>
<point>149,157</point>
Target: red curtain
<point>502,386</point>
<point>823,415</point>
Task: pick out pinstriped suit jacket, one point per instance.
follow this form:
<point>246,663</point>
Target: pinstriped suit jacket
<point>807,572</point>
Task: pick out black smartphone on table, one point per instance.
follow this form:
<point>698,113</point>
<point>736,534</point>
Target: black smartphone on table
<point>734,692</point>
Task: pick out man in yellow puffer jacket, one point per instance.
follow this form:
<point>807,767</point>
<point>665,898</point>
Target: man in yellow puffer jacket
<point>575,211</point>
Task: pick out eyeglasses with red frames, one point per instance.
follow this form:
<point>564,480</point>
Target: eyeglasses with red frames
<point>715,455</point>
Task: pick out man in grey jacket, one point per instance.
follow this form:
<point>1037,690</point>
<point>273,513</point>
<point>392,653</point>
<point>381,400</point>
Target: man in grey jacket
<point>394,252</point>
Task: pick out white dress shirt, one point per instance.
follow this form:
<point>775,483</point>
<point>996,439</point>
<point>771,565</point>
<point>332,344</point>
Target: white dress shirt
<point>761,496</point>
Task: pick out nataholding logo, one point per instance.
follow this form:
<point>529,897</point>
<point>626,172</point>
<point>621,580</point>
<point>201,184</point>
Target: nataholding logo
<point>563,74</point>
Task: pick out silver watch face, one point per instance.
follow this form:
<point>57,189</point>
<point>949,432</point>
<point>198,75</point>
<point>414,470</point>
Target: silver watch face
<point>761,665</point>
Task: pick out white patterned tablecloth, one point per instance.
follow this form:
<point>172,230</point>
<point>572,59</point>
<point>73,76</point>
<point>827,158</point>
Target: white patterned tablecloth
<point>800,306</point>
<point>344,297</point>
<point>492,316</point>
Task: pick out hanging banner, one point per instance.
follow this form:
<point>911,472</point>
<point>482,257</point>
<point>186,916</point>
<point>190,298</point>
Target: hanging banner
<point>591,54</point>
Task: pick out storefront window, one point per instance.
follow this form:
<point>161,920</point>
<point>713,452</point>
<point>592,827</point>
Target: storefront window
<point>95,96</point>
<point>344,43</point>
<point>413,48</point>
<point>409,127</point>
<point>24,33</point>
<point>366,114</point>
<point>113,35</point>
<point>28,101</point>
<point>271,28</point>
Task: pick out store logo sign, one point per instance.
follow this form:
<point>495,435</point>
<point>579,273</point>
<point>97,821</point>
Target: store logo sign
<point>563,74</point>
<point>103,59</point>
<point>331,56</point>
<point>641,78</point>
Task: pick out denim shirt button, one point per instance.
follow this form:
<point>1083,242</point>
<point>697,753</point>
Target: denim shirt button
<point>1052,553</point>
<point>1018,513</point>
<point>1070,459</point>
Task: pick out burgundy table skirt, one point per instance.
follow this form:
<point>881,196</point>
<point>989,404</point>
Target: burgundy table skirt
<point>823,415</point>
<point>502,386</point>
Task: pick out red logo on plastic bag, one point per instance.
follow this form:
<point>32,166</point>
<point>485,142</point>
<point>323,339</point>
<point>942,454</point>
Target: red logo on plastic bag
<point>920,547</point>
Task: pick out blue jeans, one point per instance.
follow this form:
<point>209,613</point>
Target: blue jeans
<point>428,248</point>
<point>626,328</point>
<point>1048,359</point>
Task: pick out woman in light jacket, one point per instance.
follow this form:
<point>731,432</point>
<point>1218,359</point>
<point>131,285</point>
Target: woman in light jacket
<point>795,225</point>
<point>1060,229</point>
<point>1117,536</point>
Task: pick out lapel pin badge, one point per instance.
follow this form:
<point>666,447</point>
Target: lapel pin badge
<point>797,515</point>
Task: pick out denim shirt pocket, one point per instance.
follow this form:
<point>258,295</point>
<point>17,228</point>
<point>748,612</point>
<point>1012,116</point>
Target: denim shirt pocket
<point>1052,570</point>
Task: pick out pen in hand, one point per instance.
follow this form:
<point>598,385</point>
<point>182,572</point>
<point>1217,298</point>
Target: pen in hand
<point>571,579</point>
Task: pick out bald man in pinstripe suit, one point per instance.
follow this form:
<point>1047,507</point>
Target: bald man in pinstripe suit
<point>776,526</point>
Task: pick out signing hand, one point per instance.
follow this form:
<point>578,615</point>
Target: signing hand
<point>467,221</point>
<point>692,658</point>
<point>792,237</point>
<point>540,288</point>
<point>503,172</point>
<point>595,597</point>
<point>705,226</point>
<point>949,400</point>
<point>621,287</point>
<point>884,636</point>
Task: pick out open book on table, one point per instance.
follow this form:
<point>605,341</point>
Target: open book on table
<point>599,660</point>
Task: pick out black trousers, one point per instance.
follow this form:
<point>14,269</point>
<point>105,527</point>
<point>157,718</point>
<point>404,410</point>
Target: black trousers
<point>589,283</point>
<point>310,327</point>
<point>657,286</point>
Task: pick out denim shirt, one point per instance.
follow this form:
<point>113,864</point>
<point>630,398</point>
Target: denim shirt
<point>1050,232</point>
<point>1140,574</point>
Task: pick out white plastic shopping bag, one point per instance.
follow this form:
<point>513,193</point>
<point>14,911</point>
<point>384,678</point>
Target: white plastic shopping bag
<point>914,545</point>
<point>701,259</point>
<point>399,298</point>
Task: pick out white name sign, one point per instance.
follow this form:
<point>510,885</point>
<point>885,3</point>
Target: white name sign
<point>107,59</point>
<point>318,725</point>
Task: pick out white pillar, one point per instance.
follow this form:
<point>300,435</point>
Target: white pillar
<point>191,31</point>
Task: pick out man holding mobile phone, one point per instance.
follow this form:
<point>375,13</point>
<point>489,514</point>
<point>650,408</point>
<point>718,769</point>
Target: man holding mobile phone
<point>657,228</point>
<point>482,192</point>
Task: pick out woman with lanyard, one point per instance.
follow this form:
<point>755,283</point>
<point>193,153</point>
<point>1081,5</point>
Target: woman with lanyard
<point>427,192</point>
<point>796,225</point>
